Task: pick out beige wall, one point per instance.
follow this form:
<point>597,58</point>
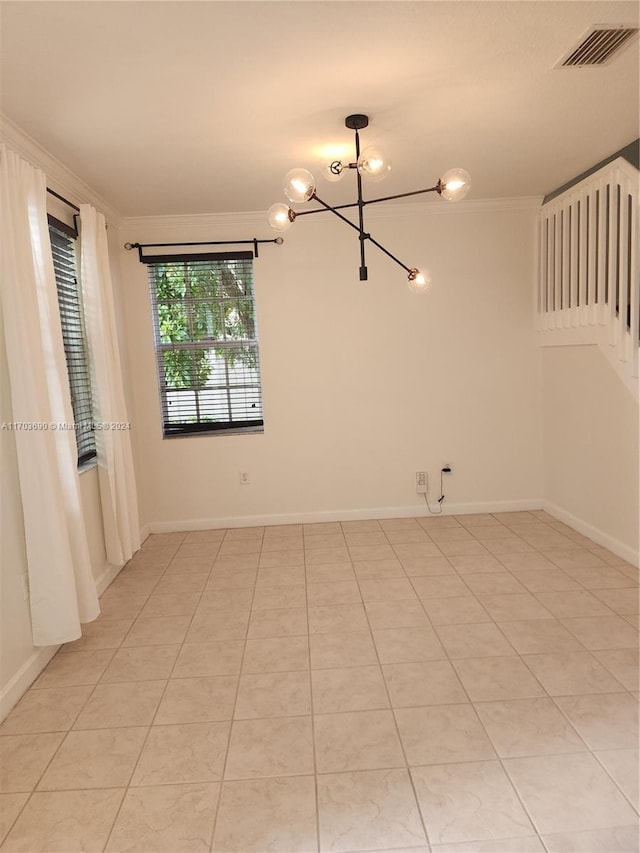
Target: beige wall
<point>591,446</point>
<point>363,383</point>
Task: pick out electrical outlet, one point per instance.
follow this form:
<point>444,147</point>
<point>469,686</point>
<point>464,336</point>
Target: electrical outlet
<point>422,482</point>
<point>244,478</point>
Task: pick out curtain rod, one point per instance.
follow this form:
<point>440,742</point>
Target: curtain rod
<point>63,199</point>
<point>254,242</point>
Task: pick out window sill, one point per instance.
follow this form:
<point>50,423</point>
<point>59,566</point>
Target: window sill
<point>217,432</point>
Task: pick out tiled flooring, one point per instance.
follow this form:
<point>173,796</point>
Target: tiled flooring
<point>445,684</point>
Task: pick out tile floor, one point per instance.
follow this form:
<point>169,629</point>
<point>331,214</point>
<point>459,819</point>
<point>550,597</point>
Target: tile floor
<point>448,684</point>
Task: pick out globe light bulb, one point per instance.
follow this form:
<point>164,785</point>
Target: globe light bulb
<point>455,184</point>
<point>418,282</point>
<point>299,185</point>
<point>333,171</point>
<point>373,164</point>
<point>280,216</point>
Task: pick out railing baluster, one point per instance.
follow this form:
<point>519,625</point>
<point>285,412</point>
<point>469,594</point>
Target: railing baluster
<point>582,260</point>
<point>548,309</point>
<point>557,269</point>
<point>566,266</point>
<point>612,243</point>
<point>573,262</point>
<point>624,339</point>
<point>592,257</point>
<point>602,251</point>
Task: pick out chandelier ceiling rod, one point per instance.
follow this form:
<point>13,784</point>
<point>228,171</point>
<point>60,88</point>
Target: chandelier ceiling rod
<point>299,186</point>
<point>355,122</point>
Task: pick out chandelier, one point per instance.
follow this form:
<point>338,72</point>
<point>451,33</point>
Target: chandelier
<point>370,164</point>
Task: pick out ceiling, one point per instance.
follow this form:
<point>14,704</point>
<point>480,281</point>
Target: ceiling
<point>201,107</point>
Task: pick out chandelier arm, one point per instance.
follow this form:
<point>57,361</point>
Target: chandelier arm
<point>403,195</point>
<point>387,252</point>
<point>368,201</point>
<point>326,206</point>
<point>314,197</point>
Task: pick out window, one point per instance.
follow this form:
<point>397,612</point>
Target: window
<point>63,245</point>
<point>206,343</point>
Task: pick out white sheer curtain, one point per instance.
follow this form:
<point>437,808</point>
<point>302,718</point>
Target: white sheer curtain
<point>113,444</point>
<point>62,589</point>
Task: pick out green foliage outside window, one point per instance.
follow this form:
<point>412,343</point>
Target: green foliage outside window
<point>204,304</point>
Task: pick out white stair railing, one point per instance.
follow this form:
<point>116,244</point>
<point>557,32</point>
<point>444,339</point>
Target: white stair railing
<point>589,271</point>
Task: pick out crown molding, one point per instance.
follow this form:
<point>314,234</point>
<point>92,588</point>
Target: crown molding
<point>258,218</point>
<point>253,218</point>
<point>64,181</point>
<point>59,177</point>
<point>438,207</point>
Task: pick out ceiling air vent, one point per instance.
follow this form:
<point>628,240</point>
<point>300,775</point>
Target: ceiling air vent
<point>599,45</point>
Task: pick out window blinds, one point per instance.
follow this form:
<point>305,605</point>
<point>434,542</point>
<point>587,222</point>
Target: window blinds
<point>63,246</point>
<point>206,342</point>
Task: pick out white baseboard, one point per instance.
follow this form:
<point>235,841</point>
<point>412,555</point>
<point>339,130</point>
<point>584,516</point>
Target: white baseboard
<point>336,515</point>
<point>107,576</point>
<point>614,545</point>
<point>18,685</point>
<point>599,536</point>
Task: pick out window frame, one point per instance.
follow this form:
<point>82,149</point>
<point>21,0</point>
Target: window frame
<point>78,372</point>
<point>228,426</point>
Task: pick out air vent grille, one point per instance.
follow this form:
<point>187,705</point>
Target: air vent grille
<point>599,46</point>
